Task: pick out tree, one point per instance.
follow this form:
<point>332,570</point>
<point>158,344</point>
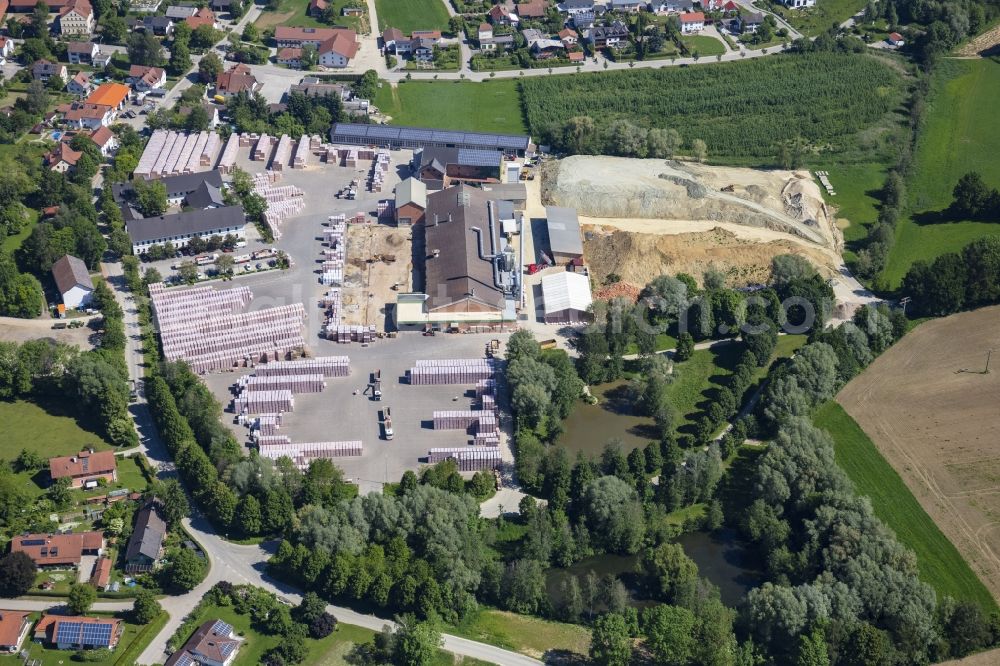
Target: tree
<point>174,505</point>
<point>188,272</point>
<point>685,347</point>
<point>37,99</point>
<point>113,29</point>
<point>613,514</point>
<point>29,461</point>
<point>699,150</point>
<point>204,36</point>
<point>416,643</point>
<point>672,574</point>
<point>40,20</point>
<point>967,629</point>
<point>669,632</point>
<point>183,571</point>
<point>81,598</point>
<point>610,644</point>
<point>973,199</point>
<point>786,268</point>
<point>144,49</point>
<point>251,33</point>
<point>210,66</point>
<point>146,608</point>
<point>17,573</point>
<point>150,197</point>
<point>59,492</point>
<point>812,649</point>
<point>248,517</point>
<point>151,276</point>
<point>522,344</point>
<point>180,58</point>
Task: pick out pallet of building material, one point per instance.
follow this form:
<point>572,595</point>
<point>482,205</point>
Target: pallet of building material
<point>274,440</point>
<point>460,419</point>
<point>301,153</point>
<point>257,402</point>
<point>487,439</point>
<point>485,387</point>
<point>295,383</point>
<point>327,366</point>
<point>302,454</point>
<point>262,151</point>
<point>468,459</point>
<point>282,154</point>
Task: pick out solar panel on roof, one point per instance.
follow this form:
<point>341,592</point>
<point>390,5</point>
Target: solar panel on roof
<point>33,542</point>
<point>96,634</point>
<point>478,157</point>
<point>67,632</point>
<point>351,130</point>
<point>415,133</point>
<point>383,132</point>
<point>185,660</point>
<point>450,137</point>
<point>222,628</point>
<point>227,648</point>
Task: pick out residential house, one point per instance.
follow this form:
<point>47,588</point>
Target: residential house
<point>505,42</point>
<point>161,26</point>
<point>100,577</point>
<point>85,468</point>
<point>180,228</point>
<point>290,56</point>
<point>83,115</point>
<point>144,79</point>
<point>485,31</point>
<point>895,39</point>
<point>218,6</point>
<point>628,6</point>
<point>609,36</point>
<point>411,202</point>
<point>532,35</point>
<point>573,7</point>
<point>76,18</point>
<point>6,46</point>
<point>43,70</point>
<point>672,6</point>
<point>312,86</point>
<point>236,80</point>
<point>113,95</point>
<point>432,35</point>
<point>576,56</point>
<point>747,24</point>
<point>583,20</point>
<point>316,8</point>
<point>58,550</point>
<point>799,4</point>
<point>545,48</point>
<point>81,52</point>
<point>80,84</point>
<point>74,632</point>
<point>422,50</point>
<point>569,38</point>
<point>180,12</point>
<point>102,59</point>
<point>145,546</point>
<point>105,140</point>
<point>203,16</point>
<point>62,158</point>
<point>14,626</point>
<point>213,644</point>
<point>392,39</point>
<point>730,7</point>
<point>692,22</point>
<point>294,36</point>
<point>533,9</point>
<point>338,50</point>
<point>501,15</point>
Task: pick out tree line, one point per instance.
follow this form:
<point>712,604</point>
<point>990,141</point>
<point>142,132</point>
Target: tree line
<point>955,280</point>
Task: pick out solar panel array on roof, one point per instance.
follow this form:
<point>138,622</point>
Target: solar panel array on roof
<point>83,633</point>
<point>185,660</point>
<point>222,628</point>
<point>33,542</point>
<point>429,135</point>
<point>478,157</point>
<point>227,648</point>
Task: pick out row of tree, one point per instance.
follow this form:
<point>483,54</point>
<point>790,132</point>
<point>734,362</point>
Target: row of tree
<point>956,280</point>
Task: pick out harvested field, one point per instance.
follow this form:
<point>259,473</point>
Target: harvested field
<point>985,45</point>
<point>932,412</point>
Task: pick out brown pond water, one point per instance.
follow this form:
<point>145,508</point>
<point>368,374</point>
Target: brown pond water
<point>590,427</point>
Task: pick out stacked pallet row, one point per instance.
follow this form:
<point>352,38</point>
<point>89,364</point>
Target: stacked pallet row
<point>331,303</point>
<point>265,424</point>
<point>469,459</point>
<point>305,453</point>
<point>282,200</point>
<point>209,150</point>
<point>334,255</point>
<point>386,209</point>
<point>258,402</point>
<point>202,326</point>
<point>262,150</point>
<point>454,371</point>
<point>380,167</point>
<point>150,154</point>
<point>486,387</point>
<point>301,153</point>
<point>350,333</point>
<point>229,154</point>
<point>194,159</point>
<point>351,157</point>
<point>282,154</point>
<point>274,440</point>
<point>293,383</point>
<point>460,419</point>
<point>327,366</point>
<point>184,156</point>
<point>168,153</point>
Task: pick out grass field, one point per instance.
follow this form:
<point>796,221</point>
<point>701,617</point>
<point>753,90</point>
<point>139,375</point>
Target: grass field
<point>294,13</point>
<point>461,105</point>
<point>410,15</point>
<point>528,635</point>
<point>134,640</point>
<point>959,134</point>
<point>939,561</point>
<point>817,19</point>
<point>703,45</point>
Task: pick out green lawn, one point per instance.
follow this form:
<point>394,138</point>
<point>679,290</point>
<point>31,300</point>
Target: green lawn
<point>134,640</point>
<point>816,19</point>
<point>293,13</point>
<point>492,106</point>
<point>410,15</point>
<point>857,187</point>
<point>43,430</point>
<point>703,45</point>
<point>959,134</point>
<point>521,633</point>
<point>939,561</point>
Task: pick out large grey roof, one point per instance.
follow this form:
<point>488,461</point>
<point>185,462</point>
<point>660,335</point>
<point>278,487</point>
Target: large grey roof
<point>411,190</point>
<point>358,131</point>
<point>183,182</point>
<point>70,272</point>
<point>459,156</point>
<point>205,196</point>
<point>147,538</point>
<point>507,191</point>
<point>183,224</point>
<point>564,230</point>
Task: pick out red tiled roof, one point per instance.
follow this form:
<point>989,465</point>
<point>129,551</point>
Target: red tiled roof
<point>63,153</point>
<point>102,572</point>
<point>68,548</point>
<point>78,112</point>
<point>344,43</point>
<point>293,33</point>
<point>11,623</point>
<point>693,17</point>
<point>204,16</point>
<point>236,80</point>
<point>81,7</point>
<point>84,463</point>
<point>101,136</point>
<point>290,53</point>
<point>532,9</point>
<point>48,627</point>
<point>109,94</point>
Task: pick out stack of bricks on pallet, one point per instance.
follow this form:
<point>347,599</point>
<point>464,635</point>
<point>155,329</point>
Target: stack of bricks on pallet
<point>304,453</point>
<point>202,325</point>
<point>282,200</point>
<point>264,402</point>
<point>334,254</point>
<point>328,366</point>
<point>282,154</point>
<point>274,440</point>
<point>167,153</point>
<point>294,383</point>
<point>230,153</point>
<point>262,150</point>
<point>301,153</point>
<point>265,424</point>
<point>380,166</point>
<point>468,459</point>
<point>452,371</point>
<point>460,419</point>
<point>349,333</point>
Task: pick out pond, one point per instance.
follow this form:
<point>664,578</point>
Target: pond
<point>589,427</point>
<point>619,566</point>
<point>721,559</point>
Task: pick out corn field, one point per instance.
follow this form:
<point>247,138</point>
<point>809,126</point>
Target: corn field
<point>742,109</point>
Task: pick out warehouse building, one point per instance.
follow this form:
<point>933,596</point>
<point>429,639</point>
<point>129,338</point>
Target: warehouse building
<point>180,228</point>
<point>566,298</point>
<point>397,138</point>
<point>439,168</point>
<point>564,234</point>
<point>411,202</point>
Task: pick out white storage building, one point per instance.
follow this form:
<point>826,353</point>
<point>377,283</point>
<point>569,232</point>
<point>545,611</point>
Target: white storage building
<point>566,297</point>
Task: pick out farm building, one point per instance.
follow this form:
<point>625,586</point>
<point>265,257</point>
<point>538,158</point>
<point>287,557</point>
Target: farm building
<point>85,468</point>
<point>566,297</point>
<point>564,234</point>
<point>439,168</point>
<point>73,281</point>
<point>397,138</point>
<point>515,193</point>
<point>179,187</point>
<point>411,202</point>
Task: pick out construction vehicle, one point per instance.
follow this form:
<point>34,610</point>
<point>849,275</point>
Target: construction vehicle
<point>387,424</point>
<point>548,344</point>
<point>377,385</point>
<point>728,188</point>
<point>492,347</point>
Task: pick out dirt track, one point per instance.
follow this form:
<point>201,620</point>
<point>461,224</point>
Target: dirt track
<point>939,427</point>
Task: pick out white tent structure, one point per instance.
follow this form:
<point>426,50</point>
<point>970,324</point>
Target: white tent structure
<point>566,297</point>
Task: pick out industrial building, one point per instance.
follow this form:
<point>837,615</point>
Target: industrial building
<point>470,273</point>
<point>397,138</point>
<point>566,298</point>
<point>180,228</point>
<point>439,168</point>
<point>564,234</point>
<point>178,187</point>
<point>411,202</point>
